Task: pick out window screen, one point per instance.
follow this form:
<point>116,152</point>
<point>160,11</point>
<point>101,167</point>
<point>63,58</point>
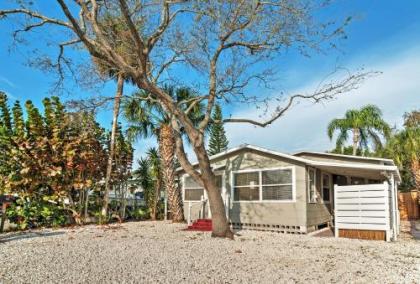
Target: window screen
<point>277,192</point>
<point>193,194</point>
<point>277,185</point>
<point>246,179</point>
<point>246,186</point>
<point>247,193</point>
<point>193,191</point>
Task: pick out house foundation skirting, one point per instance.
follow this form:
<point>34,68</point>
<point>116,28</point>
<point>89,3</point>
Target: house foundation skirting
<point>285,229</point>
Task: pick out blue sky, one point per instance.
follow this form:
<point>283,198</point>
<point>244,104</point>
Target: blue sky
<point>384,36</point>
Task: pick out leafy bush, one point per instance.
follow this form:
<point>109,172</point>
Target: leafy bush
<point>27,213</point>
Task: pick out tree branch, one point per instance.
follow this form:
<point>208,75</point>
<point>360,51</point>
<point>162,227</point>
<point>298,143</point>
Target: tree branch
<point>327,92</point>
<point>33,14</point>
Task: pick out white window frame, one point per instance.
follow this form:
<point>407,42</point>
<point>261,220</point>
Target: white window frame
<point>309,186</point>
<point>205,195</point>
<point>259,171</point>
<point>322,187</point>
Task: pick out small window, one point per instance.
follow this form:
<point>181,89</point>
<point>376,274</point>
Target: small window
<point>311,186</point>
<point>193,191</point>
<point>326,188</point>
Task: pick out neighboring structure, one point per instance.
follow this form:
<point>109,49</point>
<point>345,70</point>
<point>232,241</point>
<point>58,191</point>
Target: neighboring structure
<point>269,190</point>
<point>131,192</point>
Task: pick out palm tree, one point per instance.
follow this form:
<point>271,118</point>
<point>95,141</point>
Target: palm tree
<point>404,148</point>
<point>366,124</point>
<point>148,119</point>
<point>117,28</point>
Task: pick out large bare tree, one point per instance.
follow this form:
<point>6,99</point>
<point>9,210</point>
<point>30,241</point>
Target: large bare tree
<point>227,49</point>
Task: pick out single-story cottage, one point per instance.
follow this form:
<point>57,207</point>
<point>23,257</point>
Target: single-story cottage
<point>300,193</point>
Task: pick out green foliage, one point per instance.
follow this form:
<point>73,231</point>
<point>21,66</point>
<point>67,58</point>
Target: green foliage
<point>31,213</point>
<point>218,141</point>
<point>19,124</point>
<point>404,148</point>
<point>146,117</point>
<point>149,175</point>
<point>142,213</point>
<point>5,118</point>
<point>53,161</point>
<point>366,125</point>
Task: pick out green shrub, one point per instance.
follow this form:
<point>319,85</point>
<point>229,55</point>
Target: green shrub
<point>28,213</point>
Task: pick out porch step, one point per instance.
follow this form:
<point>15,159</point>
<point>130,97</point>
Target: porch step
<point>204,225</point>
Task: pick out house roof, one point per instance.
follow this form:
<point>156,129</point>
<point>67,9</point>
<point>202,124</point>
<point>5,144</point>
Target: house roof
<point>388,161</point>
<point>388,168</point>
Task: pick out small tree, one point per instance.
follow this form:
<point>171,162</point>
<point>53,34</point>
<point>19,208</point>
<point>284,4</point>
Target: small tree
<point>150,175</point>
<point>218,141</point>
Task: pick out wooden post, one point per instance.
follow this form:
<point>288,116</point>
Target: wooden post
<point>189,213</point>
<point>389,212</point>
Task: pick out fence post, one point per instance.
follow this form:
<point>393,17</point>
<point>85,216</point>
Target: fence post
<point>166,207</point>
<point>189,213</point>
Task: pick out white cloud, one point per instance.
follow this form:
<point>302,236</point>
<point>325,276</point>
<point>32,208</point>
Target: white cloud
<point>7,81</point>
<point>395,91</point>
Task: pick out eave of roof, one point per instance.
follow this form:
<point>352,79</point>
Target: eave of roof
<point>305,160</point>
<point>344,156</point>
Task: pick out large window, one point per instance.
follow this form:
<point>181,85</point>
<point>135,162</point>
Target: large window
<point>265,185</point>
<point>193,191</point>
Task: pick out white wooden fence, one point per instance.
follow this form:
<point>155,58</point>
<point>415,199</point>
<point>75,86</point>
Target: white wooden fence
<point>364,207</point>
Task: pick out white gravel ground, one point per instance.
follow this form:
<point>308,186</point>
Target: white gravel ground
<point>159,252</point>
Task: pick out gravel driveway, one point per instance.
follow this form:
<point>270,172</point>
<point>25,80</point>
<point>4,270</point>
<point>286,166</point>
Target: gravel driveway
<point>160,252</point>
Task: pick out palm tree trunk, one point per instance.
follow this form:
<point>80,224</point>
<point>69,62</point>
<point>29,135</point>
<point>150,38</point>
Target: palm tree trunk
<point>415,170</point>
<point>167,153</point>
<point>156,197</point>
<point>356,138</point>
<point>117,103</point>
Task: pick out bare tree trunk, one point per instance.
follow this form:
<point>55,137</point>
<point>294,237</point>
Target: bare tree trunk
<point>207,179</point>
<point>117,103</point>
<point>220,223</point>
<point>356,137</point>
<point>167,154</point>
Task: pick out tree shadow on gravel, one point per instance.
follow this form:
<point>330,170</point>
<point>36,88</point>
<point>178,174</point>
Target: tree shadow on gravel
<point>27,235</point>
